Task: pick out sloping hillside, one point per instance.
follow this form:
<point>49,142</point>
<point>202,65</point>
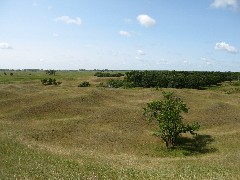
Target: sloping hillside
<point>99,133</point>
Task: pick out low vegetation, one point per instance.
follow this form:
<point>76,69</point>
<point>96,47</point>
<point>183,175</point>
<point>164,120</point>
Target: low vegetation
<point>178,79</point>
<point>106,74</point>
<point>50,81</point>
<point>51,72</point>
<point>84,84</point>
<point>101,133</point>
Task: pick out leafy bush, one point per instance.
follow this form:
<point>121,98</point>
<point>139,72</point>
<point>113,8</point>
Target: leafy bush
<point>168,115</point>
<point>114,83</point>
<point>84,84</point>
<point>50,81</point>
<point>237,83</point>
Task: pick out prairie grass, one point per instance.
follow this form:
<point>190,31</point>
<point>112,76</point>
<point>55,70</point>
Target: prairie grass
<point>68,132</point>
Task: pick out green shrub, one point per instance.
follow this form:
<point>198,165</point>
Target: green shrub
<point>237,83</point>
<point>102,74</point>
<point>50,81</point>
<point>167,113</point>
<point>84,84</point>
<point>115,83</point>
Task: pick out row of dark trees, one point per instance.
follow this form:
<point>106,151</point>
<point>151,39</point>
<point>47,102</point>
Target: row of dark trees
<point>178,79</point>
<point>104,74</point>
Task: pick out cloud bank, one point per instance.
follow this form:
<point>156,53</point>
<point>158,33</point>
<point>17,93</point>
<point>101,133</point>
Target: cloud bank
<point>4,45</point>
<point>146,20</point>
<point>226,47</point>
<point>225,3</point>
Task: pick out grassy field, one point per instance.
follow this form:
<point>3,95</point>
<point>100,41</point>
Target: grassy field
<point>68,132</point>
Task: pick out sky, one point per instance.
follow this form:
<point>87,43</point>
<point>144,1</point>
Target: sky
<point>188,35</point>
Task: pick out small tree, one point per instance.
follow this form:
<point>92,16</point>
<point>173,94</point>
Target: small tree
<point>50,72</point>
<point>168,115</point>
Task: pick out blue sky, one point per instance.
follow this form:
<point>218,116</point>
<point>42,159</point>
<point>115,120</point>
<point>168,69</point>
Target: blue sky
<point>120,34</point>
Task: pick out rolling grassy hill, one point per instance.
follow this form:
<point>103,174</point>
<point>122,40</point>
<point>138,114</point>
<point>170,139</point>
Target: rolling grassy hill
<point>65,131</point>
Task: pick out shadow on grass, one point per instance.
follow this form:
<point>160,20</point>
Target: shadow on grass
<point>199,144</point>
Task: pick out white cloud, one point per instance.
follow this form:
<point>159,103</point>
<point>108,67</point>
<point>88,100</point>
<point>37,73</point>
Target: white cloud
<point>68,20</point>
<point>146,20</point>
<point>226,47</point>
<point>225,3</point>
<point>125,33</point>
<point>140,52</point>
<point>4,45</point>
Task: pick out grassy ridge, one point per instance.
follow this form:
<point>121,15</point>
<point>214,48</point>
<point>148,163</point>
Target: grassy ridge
<point>96,133</point>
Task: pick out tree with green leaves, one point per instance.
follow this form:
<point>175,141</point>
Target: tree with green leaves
<point>167,112</point>
<point>51,72</point>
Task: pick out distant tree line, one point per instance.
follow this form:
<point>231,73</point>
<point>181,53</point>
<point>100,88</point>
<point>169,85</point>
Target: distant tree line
<point>33,70</point>
<point>178,79</point>
<point>104,74</point>
<point>173,79</point>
